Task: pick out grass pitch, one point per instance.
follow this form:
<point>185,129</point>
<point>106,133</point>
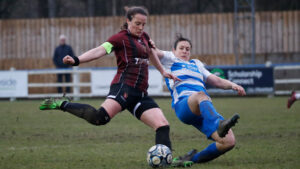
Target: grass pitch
<point>268,136</point>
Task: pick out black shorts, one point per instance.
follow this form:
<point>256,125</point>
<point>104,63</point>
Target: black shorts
<point>135,101</point>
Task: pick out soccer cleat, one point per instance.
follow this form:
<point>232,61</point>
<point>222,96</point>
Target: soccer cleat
<point>184,161</point>
<point>179,163</point>
<point>291,100</point>
<point>50,104</point>
<point>225,125</point>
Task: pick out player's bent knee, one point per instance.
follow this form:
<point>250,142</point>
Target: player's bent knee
<point>229,142</point>
<point>100,117</point>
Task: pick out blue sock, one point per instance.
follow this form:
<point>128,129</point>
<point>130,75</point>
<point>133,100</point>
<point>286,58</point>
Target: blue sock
<point>209,153</point>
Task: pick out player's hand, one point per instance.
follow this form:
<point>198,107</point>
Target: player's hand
<point>239,89</point>
<point>68,60</point>
<point>152,43</point>
<point>170,76</point>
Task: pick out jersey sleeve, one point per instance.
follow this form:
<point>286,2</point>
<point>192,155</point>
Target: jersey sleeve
<point>167,58</point>
<point>115,41</point>
<point>202,69</point>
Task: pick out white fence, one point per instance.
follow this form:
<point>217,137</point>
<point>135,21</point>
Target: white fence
<point>289,78</point>
<point>76,84</point>
<point>14,83</point>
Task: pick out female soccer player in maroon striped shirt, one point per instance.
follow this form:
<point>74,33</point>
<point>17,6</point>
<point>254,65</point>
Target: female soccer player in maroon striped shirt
<point>128,89</point>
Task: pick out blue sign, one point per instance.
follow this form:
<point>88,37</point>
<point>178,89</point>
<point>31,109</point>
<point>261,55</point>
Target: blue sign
<point>255,80</point>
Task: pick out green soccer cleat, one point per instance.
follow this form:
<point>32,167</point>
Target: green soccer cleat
<point>184,161</point>
<point>180,163</point>
<point>50,104</point>
<point>225,125</point>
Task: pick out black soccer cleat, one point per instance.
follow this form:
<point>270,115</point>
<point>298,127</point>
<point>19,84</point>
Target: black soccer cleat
<point>189,155</point>
<point>225,125</point>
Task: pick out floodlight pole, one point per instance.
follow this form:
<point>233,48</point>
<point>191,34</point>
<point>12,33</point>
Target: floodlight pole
<point>243,7</point>
<point>253,43</point>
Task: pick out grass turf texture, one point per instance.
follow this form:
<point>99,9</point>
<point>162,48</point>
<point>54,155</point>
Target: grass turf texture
<point>267,136</point>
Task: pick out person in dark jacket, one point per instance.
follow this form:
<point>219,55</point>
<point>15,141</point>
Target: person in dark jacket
<point>60,52</point>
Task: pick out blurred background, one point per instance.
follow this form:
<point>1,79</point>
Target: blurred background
<point>223,32</point>
<point>12,9</point>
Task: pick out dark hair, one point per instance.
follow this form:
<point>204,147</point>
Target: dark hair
<point>131,11</point>
<point>179,38</point>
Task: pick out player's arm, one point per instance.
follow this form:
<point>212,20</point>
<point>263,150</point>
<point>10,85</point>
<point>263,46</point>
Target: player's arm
<point>155,61</point>
<point>155,56</point>
<point>224,84</point>
<point>90,55</point>
<point>158,52</point>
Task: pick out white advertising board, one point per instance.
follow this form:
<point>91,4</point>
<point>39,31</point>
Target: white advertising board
<point>101,80</point>
<point>13,84</point>
<point>156,82</point>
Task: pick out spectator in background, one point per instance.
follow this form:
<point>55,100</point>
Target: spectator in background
<point>60,52</point>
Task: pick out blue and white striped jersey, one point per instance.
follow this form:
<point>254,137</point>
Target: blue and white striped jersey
<point>192,73</point>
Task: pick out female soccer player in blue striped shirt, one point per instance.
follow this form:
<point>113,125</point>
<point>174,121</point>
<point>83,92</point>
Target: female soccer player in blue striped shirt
<point>192,104</point>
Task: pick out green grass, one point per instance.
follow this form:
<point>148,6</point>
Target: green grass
<point>268,136</point>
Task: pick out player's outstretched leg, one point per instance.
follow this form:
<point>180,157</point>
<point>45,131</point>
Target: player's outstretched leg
<point>214,150</point>
<point>222,134</point>
<point>209,153</point>
<point>225,125</point>
<point>84,111</point>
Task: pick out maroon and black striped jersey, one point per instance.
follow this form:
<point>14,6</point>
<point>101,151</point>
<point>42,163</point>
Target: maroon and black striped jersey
<point>132,54</point>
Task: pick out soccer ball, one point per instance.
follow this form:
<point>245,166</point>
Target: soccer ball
<point>159,155</point>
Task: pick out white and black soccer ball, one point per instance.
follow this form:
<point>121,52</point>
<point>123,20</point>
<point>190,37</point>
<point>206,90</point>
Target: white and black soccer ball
<point>159,155</point>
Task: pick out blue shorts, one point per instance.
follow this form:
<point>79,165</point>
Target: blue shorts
<point>206,126</point>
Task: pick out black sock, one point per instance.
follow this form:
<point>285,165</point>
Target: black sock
<point>87,112</point>
<point>77,109</point>
<point>162,136</point>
